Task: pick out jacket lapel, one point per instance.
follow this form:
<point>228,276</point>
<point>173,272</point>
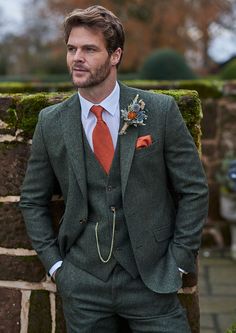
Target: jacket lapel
<point>72,132</point>
<point>127,141</point>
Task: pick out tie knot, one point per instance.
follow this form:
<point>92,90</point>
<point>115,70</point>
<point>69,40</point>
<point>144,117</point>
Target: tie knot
<point>97,111</point>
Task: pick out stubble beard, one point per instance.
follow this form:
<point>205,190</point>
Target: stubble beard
<point>95,78</point>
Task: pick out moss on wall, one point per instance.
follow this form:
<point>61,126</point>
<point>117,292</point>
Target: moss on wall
<point>191,110</point>
<point>23,112</point>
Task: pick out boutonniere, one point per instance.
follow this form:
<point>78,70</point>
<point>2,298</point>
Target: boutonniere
<point>135,115</point>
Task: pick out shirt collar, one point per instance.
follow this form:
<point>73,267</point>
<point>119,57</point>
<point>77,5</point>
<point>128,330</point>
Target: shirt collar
<point>109,103</point>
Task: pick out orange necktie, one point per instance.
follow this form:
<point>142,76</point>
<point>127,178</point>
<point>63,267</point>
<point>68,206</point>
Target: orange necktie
<point>102,141</point>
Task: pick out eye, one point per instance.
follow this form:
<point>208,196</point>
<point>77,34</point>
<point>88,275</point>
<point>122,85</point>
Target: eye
<point>90,49</point>
<point>71,49</point>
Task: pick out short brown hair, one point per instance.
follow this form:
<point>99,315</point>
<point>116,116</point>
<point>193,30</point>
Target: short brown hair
<point>100,18</point>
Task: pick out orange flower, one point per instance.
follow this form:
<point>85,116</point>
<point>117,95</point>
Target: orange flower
<point>132,115</point>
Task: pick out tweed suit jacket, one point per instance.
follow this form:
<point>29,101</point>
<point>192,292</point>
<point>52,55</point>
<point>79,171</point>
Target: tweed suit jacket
<point>164,189</point>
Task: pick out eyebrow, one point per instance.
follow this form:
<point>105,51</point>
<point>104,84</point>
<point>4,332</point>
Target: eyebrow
<point>83,46</point>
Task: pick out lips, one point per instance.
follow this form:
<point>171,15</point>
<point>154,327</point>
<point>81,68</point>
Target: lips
<point>79,69</point>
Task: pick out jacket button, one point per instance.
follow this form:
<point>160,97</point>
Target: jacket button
<point>83,220</point>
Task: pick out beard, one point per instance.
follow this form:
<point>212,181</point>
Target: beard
<point>95,78</point>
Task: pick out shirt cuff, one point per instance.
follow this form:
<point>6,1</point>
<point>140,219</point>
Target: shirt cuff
<point>55,267</point>
<point>182,271</point>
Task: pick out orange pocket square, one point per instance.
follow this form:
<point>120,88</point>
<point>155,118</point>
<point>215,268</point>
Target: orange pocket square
<point>143,141</point>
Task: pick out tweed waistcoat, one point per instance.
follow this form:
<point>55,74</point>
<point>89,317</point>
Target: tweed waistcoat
<point>104,192</point>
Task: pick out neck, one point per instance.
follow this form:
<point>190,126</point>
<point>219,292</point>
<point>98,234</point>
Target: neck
<point>99,92</point>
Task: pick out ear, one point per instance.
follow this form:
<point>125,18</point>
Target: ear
<point>115,56</point>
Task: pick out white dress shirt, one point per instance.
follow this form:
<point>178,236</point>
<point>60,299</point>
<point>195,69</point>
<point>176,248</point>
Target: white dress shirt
<point>111,116</point>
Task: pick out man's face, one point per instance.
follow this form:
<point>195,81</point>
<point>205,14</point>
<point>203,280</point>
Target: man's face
<point>87,58</point>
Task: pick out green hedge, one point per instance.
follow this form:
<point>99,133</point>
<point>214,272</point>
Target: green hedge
<point>229,71</point>
<point>34,87</point>
<point>166,64</point>
<point>205,88</point>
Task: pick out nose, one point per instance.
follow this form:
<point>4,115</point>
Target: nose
<point>78,56</point>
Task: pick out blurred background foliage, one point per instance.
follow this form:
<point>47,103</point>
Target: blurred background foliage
<point>229,70</point>
<point>184,27</point>
<point>166,64</point>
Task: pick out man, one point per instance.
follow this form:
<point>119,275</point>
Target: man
<point>135,203</point>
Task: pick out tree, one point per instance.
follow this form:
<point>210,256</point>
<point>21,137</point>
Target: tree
<point>183,25</point>
<point>159,24</point>
<point>148,25</point>
<point>203,14</point>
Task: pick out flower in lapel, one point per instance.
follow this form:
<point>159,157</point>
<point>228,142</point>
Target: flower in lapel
<point>135,115</point>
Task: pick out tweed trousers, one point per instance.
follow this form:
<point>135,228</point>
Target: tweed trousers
<point>93,306</point>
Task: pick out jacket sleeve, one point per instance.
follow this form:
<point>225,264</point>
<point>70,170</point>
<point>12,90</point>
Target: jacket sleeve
<point>189,183</point>
<point>36,193</point>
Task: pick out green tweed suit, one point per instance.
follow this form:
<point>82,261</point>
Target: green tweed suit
<point>163,186</point>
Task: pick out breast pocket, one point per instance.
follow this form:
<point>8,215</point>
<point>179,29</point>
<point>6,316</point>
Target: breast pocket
<point>142,152</point>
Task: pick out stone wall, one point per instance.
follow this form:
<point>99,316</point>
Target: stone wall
<point>29,302</point>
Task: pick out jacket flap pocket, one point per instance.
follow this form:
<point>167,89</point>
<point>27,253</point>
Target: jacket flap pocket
<point>162,234</point>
